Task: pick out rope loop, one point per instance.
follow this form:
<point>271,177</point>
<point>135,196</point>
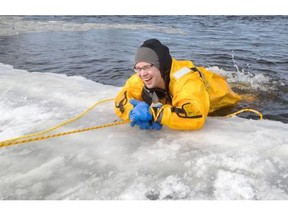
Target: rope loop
<point>246,110</point>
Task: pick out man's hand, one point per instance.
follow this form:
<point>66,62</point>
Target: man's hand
<point>140,114</point>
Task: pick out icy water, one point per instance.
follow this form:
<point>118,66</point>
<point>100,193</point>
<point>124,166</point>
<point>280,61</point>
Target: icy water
<point>251,51</point>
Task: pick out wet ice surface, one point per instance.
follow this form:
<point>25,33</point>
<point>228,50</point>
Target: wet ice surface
<point>230,158</point>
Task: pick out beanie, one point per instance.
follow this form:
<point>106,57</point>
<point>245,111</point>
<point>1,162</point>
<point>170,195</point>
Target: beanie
<point>146,52</point>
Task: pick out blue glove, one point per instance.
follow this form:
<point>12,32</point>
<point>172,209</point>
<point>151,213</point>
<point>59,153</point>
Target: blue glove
<point>156,126</point>
<point>140,111</point>
<point>144,125</point>
<point>140,114</point>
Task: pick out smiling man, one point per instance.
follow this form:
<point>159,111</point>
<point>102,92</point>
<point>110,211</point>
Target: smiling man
<point>166,91</point>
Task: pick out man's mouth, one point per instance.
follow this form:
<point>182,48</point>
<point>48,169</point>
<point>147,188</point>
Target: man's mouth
<point>147,79</point>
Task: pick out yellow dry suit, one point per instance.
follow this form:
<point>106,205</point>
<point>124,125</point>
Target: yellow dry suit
<point>193,91</point>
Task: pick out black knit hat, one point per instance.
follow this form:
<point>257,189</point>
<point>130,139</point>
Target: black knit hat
<point>162,51</point>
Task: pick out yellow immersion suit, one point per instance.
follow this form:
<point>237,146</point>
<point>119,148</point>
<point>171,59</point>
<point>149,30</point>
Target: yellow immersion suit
<point>195,92</point>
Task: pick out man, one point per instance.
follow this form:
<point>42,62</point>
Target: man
<point>165,91</point>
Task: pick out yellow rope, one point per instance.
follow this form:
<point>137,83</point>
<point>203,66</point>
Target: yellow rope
<point>10,143</point>
<point>22,139</point>
<point>61,124</point>
<point>246,110</point>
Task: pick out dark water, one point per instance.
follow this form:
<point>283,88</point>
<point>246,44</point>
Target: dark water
<point>250,49</point>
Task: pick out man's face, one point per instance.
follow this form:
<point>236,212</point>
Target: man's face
<point>150,75</point>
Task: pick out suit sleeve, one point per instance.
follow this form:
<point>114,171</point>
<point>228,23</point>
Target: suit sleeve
<point>190,104</point>
<point>132,89</point>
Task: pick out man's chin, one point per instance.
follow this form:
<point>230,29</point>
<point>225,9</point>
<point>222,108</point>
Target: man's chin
<point>149,86</point>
